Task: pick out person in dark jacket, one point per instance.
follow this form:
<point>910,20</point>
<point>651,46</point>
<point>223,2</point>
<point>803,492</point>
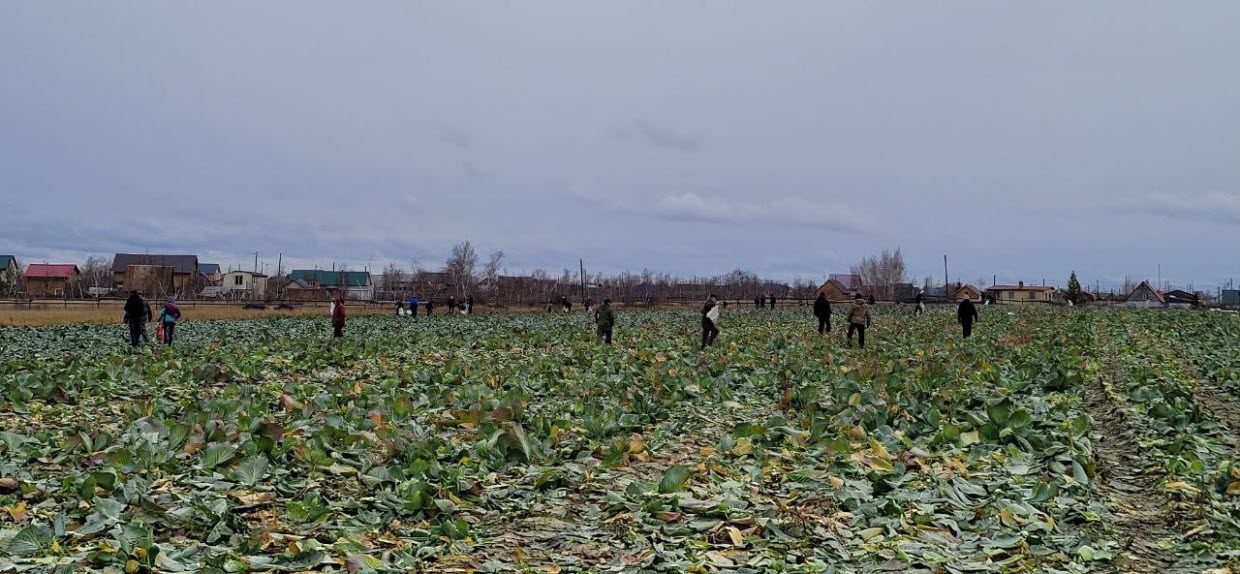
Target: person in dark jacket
<point>451,305</point>
<point>469,305</point>
<point>710,321</point>
<point>338,316</point>
<point>822,310</point>
<point>430,307</point>
<point>605,320</point>
<point>135,313</point>
<point>760,301</point>
<point>966,315</point>
<point>168,319</point>
<point>772,296</point>
<point>872,301</point>
<point>400,308</point>
<point>920,305</point>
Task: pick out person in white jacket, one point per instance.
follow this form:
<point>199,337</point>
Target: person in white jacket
<point>710,321</point>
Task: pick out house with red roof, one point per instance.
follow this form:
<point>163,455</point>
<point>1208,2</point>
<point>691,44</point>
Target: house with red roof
<point>45,280</point>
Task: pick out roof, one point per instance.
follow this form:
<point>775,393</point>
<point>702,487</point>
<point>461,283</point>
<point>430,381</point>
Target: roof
<point>304,277</point>
<point>1020,288</point>
<point>245,273</point>
<point>208,268</point>
<point>850,281</point>
<point>53,271</point>
<point>178,263</point>
<point>7,261</point>
<point>1143,288</point>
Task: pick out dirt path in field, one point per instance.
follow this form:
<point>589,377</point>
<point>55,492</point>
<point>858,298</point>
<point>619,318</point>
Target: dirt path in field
<point>1142,514</point>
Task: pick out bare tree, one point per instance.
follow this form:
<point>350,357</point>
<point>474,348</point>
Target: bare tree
<point>490,272</point>
<point>393,279</point>
<point>883,270</point>
<point>461,267</point>
<point>97,272</point>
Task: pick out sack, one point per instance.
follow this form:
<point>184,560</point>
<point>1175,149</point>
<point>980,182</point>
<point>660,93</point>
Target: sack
<point>159,331</point>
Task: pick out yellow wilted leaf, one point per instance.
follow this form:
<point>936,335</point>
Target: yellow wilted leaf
<point>1181,486</point>
<point>743,446</point>
<point>709,450</point>
<point>969,438</point>
<point>636,443</point>
<point>131,566</point>
<point>878,449</point>
<point>735,535</point>
<point>1233,488</point>
<point>835,481</point>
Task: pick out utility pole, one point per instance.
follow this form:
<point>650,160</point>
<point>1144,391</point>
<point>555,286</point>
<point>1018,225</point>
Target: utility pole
<point>582,265</point>
<point>256,262</point>
<point>1159,276</point>
<point>945,275</point>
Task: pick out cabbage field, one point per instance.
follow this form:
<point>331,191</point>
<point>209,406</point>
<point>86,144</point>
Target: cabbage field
<point>1056,440</point>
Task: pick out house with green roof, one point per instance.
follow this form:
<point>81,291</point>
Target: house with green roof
<point>314,284</point>
<point>9,272</point>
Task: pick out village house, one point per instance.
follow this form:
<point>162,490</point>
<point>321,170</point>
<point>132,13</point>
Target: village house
<point>315,285</point>
<point>210,273</point>
<point>969,291</point>
<point>1230,297</point>
<point>841,287</point>
<point>1020,293</point>
<point>243,285</point>
<point>9,272</point>
<point>1144,296</point>
<point>156,275</point>
<point>58,280</point>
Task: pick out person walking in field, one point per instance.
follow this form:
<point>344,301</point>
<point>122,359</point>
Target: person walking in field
<point>921,305</point>
<point>147,318</point>
<point>430,307</point>
<point>413,306</point>
<point>338,315</point>
<point>605,320</point>
<point>966,315</point>
<point>400,308</point>
<point>469,305</point>
<point>822,310</point>
<point>710,321</point>
<point>168,319</point>
<point>858,320</point>
<point>772,296</point>
<point>135,315</point>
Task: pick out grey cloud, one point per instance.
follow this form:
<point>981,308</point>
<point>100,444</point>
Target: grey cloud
<point>827,215</point>
<point>646,133</point>
<point>453,136</point>
<point>1216,206</point>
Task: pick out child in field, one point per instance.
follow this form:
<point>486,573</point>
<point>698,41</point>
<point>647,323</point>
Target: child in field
<point>605,320</point>
<point>136,315</point>
<point>966,315</point>
<point>710,321</point>
<point>338,314</point>
<point>858,320</point>
<point>822,310</point>
<point>168,319</point>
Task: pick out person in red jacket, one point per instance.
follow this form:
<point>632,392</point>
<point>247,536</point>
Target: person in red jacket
<point>337,315</point>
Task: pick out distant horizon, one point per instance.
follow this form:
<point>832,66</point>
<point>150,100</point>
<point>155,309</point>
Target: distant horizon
<point>790,140</point>
<point>291,264</point>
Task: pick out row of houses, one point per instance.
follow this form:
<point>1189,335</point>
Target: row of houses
<point>184,276</point>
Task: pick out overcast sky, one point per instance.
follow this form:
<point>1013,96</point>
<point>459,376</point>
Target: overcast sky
<point>1024,140</point>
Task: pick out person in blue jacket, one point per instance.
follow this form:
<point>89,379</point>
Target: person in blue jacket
<point>413,306</point>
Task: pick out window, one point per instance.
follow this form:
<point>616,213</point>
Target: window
<point>1011,294</point>
<point>236,280</point>
<point>1033,295</point>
